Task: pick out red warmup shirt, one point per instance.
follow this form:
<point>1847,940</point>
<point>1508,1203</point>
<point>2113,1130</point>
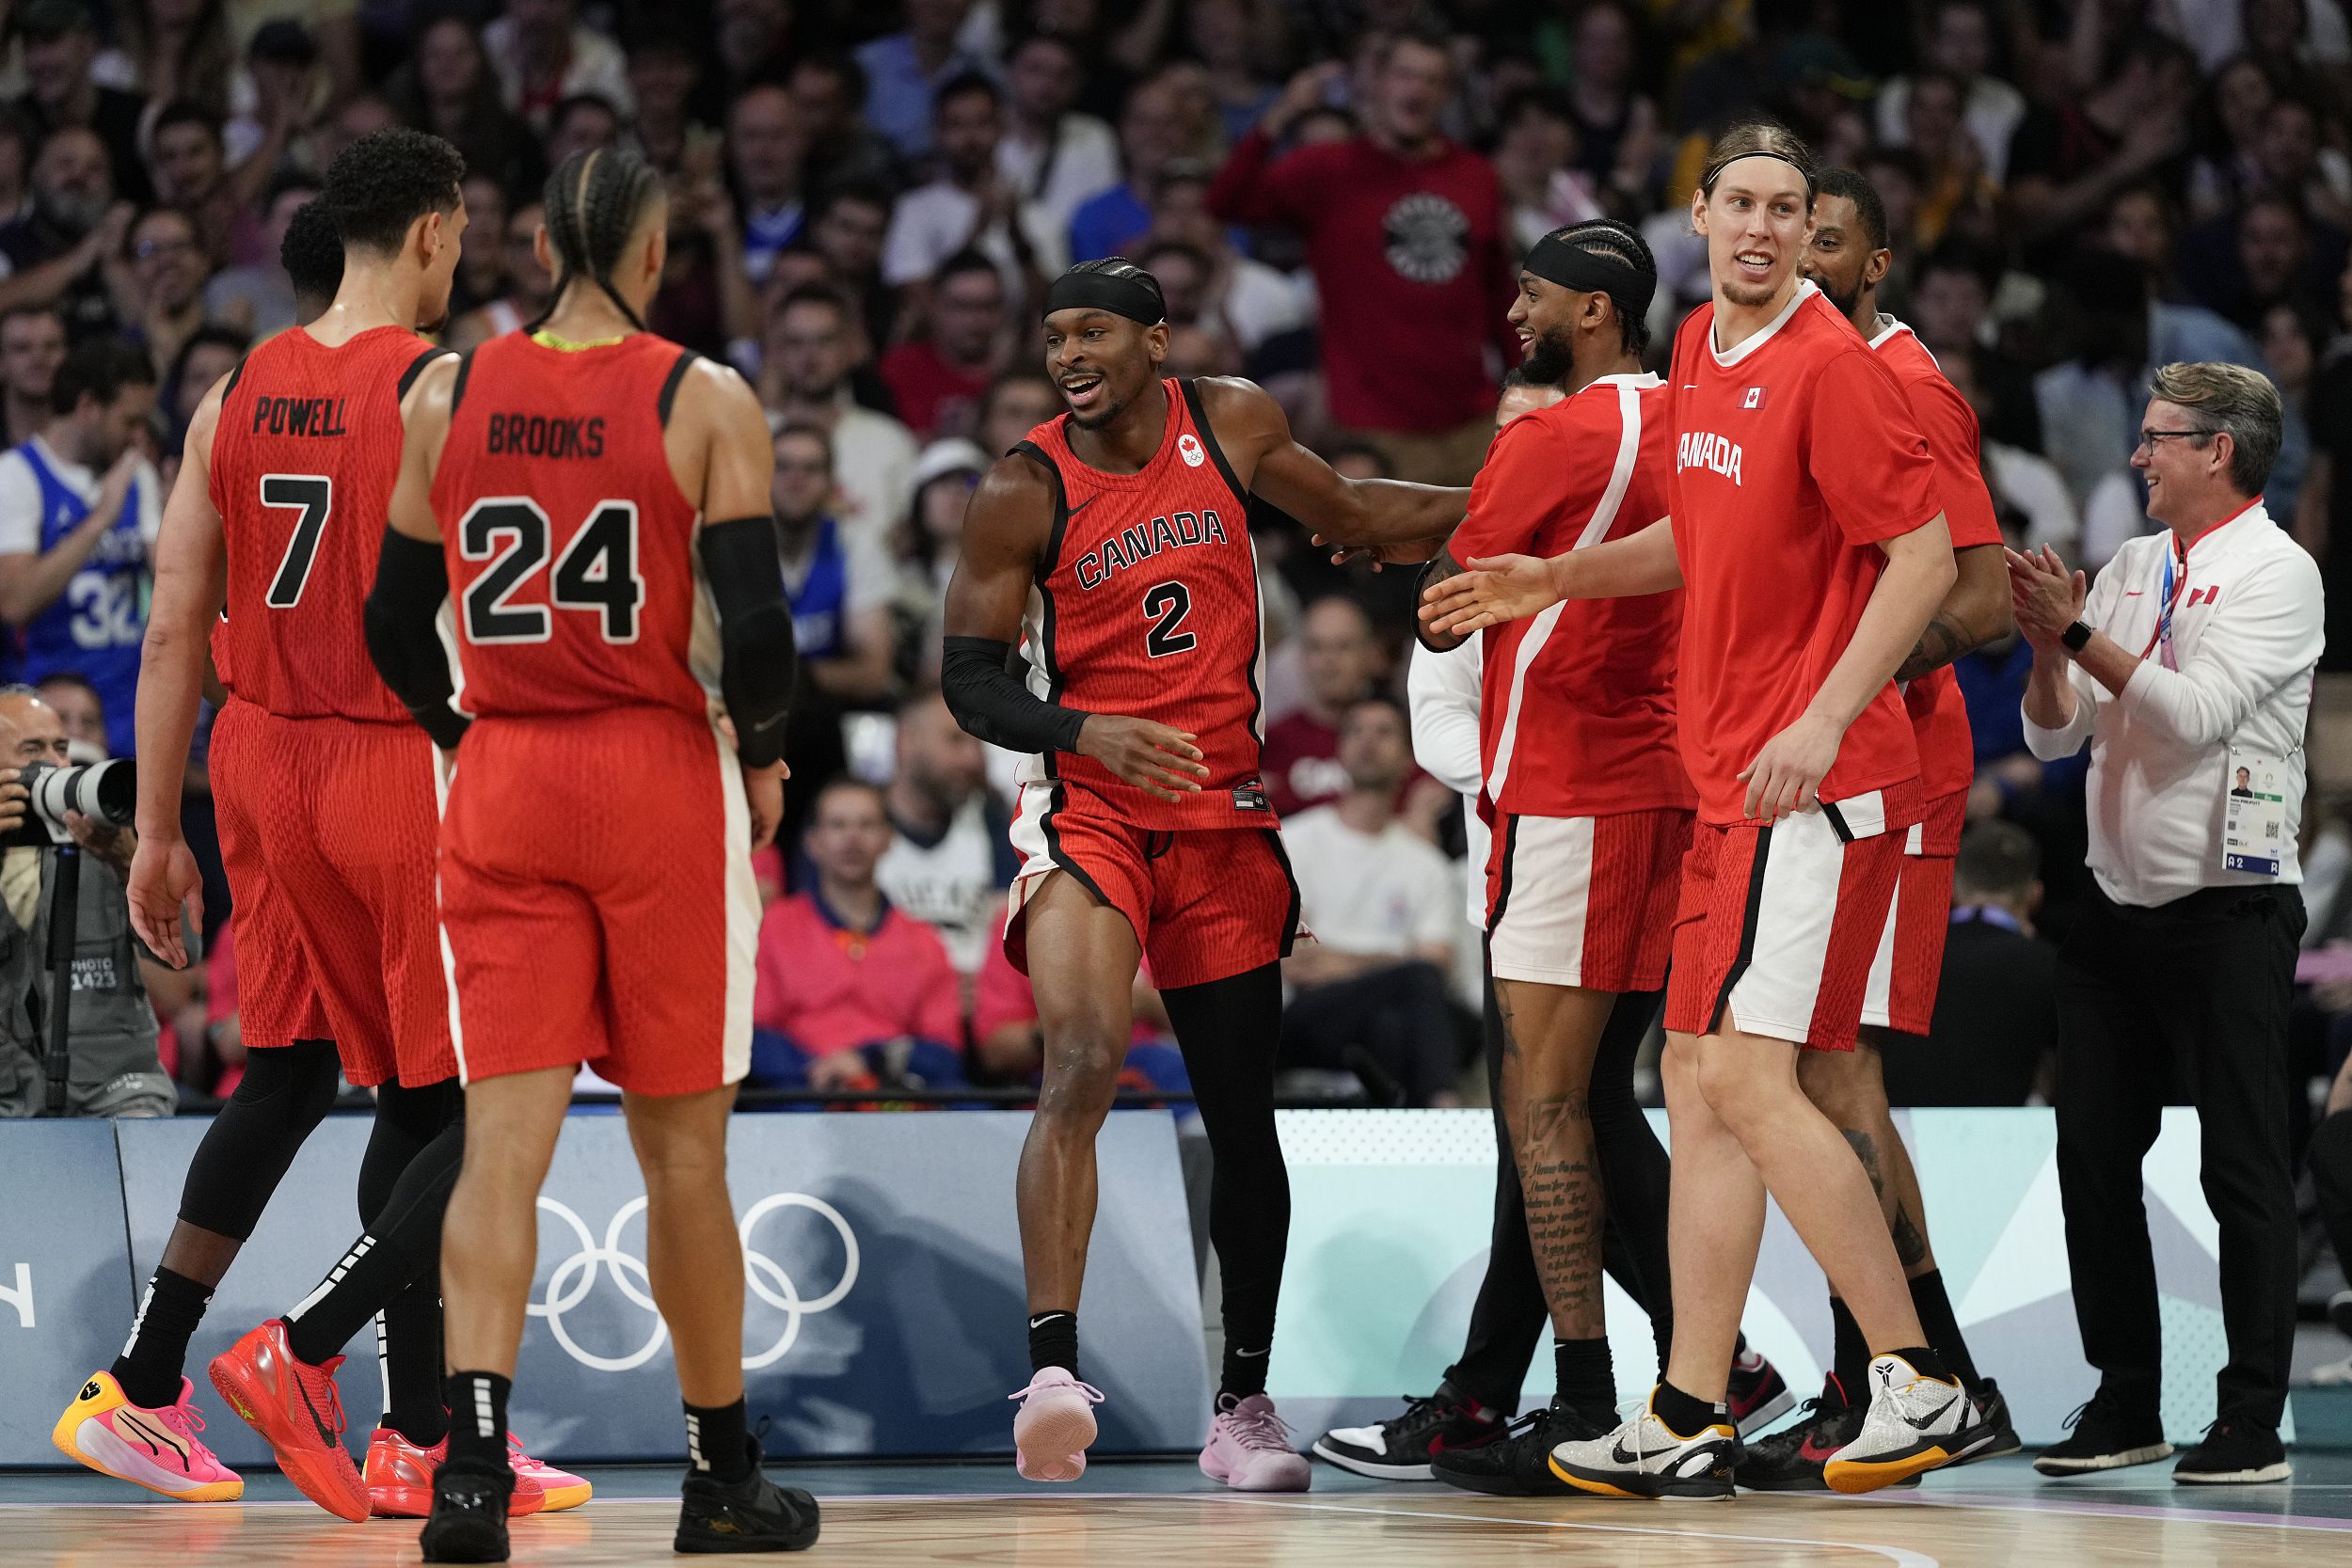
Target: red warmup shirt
<point>1412,271</point>
<point>1939,716</point>
<point>1576,714</point>
<point>929,390</point>
<point>1795,455</point>
<point>832,988</point>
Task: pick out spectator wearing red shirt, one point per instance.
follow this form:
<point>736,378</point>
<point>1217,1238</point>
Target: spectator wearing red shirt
<point>851,993</point>
<point>1008,1044</point>
<point>1340,656</point>
<point>1407,237</point>
<point>939,379</point>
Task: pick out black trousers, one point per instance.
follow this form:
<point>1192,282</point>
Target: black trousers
<point>2196,993</point>
<point>1509,1318</point>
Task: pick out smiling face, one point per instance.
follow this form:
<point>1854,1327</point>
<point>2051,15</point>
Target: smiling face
<point>1839,259</point>
<point>1544,314</point>
<point>1102,362</point>
<point>1757,223</point>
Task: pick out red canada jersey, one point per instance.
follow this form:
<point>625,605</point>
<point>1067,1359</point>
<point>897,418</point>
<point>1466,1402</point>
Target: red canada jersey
<point>1576,712</point>
<point>1939,716</point>
<point>572,573</point>
<point>1146,605</point>
<point>303,464</point>
<point>1795,455</point>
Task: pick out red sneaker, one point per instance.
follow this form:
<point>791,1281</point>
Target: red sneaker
<point>297,1412</point>
<point>400,1479</point>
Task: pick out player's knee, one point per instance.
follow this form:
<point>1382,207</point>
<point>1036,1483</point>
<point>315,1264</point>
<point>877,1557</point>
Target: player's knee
<point>296,1083</point>
<point>1744,1086</point>
<point>1081,1068</point>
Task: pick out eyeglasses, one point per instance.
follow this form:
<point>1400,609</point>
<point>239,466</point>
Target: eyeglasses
<point>2147,439</point>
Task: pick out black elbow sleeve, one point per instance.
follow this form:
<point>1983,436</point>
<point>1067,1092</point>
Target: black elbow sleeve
<point>411,584</point>
<point>758,661</point>
<point>989,702</point>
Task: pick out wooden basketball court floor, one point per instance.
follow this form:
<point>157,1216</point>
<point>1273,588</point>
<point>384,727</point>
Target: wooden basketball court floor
<point>1993,1516</point>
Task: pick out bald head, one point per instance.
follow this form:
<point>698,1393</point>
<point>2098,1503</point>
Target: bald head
<point>30,731</point>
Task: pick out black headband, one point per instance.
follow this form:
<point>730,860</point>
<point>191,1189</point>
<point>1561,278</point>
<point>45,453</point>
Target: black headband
<point>1557,258</point>
<point>1135,294</point>
<point>1707,177</point>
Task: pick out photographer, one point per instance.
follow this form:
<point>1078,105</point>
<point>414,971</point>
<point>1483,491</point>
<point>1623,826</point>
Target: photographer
<point>115,1071</point>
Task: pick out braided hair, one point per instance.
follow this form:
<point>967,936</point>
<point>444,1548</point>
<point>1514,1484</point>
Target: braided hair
<point>592,202</point>
<point>1623,244</point>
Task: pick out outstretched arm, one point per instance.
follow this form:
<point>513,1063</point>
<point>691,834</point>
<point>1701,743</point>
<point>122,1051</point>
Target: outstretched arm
<point>1490,590</point>
<point>1256,438</point>
<point>191,579</point>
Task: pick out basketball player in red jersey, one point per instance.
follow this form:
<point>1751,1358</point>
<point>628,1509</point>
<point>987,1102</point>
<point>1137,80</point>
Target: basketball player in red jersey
<point>583,497</point>
<point>1806,529</point>
<point>1847,258</point>
<point>1111,542</point>
<point>326,798</point>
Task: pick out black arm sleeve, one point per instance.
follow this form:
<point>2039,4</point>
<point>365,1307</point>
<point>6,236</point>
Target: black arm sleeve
<point>759,663</point>
<point>990,702</point>
<point>411,584</point>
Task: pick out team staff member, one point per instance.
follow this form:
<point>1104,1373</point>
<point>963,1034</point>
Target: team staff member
<point>2190,659</point>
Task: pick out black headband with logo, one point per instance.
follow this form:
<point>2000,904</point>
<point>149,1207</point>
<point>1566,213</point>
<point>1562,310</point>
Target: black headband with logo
<point>1557,258</point>
<point>1124,289</point>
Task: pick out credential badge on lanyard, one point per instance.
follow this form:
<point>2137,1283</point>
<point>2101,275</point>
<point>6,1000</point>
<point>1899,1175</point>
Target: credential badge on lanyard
<point>2175,579</point>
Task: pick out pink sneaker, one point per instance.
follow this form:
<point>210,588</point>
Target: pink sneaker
<point>1249,1449</point>
<point>1055,1424</point>
<point>156,1449</point>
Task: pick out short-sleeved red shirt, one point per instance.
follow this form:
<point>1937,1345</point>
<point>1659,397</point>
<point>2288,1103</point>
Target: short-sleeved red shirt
<point>1939,717</point>
<point>1576,711</point>
<point>1795,455</point>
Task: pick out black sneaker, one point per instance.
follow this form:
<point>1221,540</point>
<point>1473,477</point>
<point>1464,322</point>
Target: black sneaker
<point>1757,1394</point>
<point>1794,1459</point>
<point>2105,1438</point>
<point>1402,1448</point>
<point>1992,1411</point>
<point>2235,1451</point>
<point>2339,1312</point>
<point>753,1515</point>
<point>1518,1464</point>
<point>468,1519</point>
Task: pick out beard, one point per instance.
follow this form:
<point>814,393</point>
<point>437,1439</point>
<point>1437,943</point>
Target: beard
<point>1549,359</point>
<point>1845,302</point>
<point>1740,292</point>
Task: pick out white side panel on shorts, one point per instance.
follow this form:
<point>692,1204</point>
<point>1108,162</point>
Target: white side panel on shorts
<point>1775,996</point>
<point>1541,938</point>
<point>1877,992</point>
<point>743,899</point>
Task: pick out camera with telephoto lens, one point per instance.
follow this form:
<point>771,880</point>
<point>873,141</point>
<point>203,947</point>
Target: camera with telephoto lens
<point>105,792</point>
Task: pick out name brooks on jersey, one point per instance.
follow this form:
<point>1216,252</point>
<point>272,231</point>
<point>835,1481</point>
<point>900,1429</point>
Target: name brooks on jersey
<point>547,435</point>
<point>1699,448</point>
<point>1134,546</point>
<point>322,416</point>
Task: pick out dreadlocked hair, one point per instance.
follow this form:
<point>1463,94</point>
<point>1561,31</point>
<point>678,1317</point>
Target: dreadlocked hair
<point>592,202</point>
<point>1622,243</point>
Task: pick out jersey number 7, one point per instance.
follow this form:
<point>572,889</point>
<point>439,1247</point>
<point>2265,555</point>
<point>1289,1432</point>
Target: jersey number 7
<point>597,570</point>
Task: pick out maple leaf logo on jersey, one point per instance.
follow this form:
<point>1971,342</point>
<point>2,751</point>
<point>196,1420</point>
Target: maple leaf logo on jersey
<point>1189,448</point>
<point>1753,397</point>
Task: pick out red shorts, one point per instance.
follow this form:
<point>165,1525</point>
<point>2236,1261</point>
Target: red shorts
<point>1778,922</point>
<point>1910,959</point>
<point>276,1002</point>
<point>351,834</point>
<point>598,902</point>
<point>1585,900</point>
<point>1206,903</point>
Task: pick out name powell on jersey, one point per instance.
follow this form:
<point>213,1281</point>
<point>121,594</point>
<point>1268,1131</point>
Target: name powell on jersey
<point>1131,547</point>
<point>1698,449</point>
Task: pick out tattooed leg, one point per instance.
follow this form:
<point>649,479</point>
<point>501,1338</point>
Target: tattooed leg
<point>1549,1037</point>
<point>1849,1087</point>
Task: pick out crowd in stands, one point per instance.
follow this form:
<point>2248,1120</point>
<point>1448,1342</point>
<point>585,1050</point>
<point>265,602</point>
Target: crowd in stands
<point>866,204</point>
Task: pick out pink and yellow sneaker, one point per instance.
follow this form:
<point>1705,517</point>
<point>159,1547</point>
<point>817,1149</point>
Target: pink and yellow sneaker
<point>399,1476</point>
<point>560,1488</point>
<point>1055,1424</point>
<point>154,1448</point>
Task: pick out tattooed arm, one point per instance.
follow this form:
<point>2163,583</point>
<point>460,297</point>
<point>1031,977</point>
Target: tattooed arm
<point>1973,613</point>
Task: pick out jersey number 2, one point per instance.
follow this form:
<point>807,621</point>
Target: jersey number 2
<point>314,494</point>
<point>1166,604</point>
<point>597,570</point>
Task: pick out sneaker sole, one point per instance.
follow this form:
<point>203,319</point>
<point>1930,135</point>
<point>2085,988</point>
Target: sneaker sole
<point>469,1542</point>
<point>1052,1444</point>
<point>1672,1491</point>
<point>1854,1477</point>
<point>2281,1472</point>
<point>2000,1445</point>
<point>1378,1469</point>
<point>1505,1487</point>
<point>1299,1481</point>
<point>315,1475</point>
<point>2122,1459</point>
<point>560,1499</point>
<point>711,1545</point>
<point>112,1457</point>
<point>1765,1415</point>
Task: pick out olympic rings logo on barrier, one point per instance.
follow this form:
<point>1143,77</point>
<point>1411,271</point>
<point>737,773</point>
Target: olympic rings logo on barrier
<point>574,1277</point>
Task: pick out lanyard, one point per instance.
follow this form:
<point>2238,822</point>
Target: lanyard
<point>2175,579</point>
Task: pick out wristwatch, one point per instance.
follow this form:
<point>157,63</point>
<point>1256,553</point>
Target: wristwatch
<point>2076,637</point>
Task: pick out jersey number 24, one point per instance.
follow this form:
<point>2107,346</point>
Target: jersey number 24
<point>596,572</point>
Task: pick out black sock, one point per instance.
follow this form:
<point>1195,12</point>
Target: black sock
<point>408,1349</point>
<point>1054,1343</point>
<point>1586,1382</point>
<point>1245,1370</point>
<point>1941,1328</point>
<point>1850,1356</point>
<point>717,1442</point>
<point>1926,1363</point>
<point>1739,1345</point>
<point>150,1365</point>
<point>477,1418</point>
<point>1683,1415</point>
<point>402,1245</point>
